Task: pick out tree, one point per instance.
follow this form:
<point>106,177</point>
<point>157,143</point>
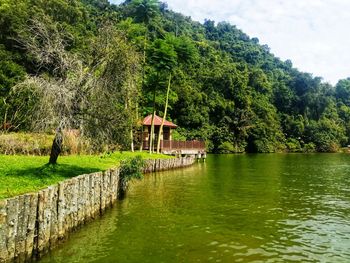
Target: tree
<point>10,74</point>
<point>163,58</point>
<point>226,88</point>
<point>342,91</point>
<point>164,115</point>
<point>144,11</point>
<point>91,97</point>
<point>327,134</point>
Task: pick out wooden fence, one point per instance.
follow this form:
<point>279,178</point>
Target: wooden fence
<point>177,145</point>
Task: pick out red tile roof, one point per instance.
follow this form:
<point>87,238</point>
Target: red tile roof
<point>157,121</point>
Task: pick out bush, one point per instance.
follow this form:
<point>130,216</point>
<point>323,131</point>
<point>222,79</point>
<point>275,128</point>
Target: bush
<point>25,143</point>
<point>326,134</point>
<point>331,147</point>
<point>129,169</point>
<point>74,143</point>
<point>309,147</point>
<point>177,136</point>
<point>293,145</point>
<point>226,147</point>
<point>262,146</point>
<point>40,143</point>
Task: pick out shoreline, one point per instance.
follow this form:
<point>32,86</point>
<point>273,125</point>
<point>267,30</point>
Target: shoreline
<point>34,223</point>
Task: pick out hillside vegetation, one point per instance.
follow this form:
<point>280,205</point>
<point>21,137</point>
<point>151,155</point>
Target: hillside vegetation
<point>225,87</point>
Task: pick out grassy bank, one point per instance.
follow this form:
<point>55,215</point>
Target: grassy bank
<point>22,174</point>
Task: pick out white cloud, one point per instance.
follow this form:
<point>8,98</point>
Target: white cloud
<point>314,34</point>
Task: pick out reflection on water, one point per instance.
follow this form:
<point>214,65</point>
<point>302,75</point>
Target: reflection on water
<point>242,208</point>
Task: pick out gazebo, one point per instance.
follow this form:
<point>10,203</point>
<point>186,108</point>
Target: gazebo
<point>166,134</point>
<point>168,145</point>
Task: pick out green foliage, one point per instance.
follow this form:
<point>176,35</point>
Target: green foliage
<point>293,125</point>
<point>177,136</point>
<point>293,145</point>
<point>309,147</point>
<point>130,169</point>
<point>226,88</point>
<point>226,147</point>
<point>162,55</point>
<point>342,91</point>
<point>10,71</point>
<point>326,134</point>
<point>266,135</point>
<point>143,10</point>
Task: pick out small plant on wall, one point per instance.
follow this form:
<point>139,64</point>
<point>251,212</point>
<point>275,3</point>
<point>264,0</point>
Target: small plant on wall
<point>129,169</point>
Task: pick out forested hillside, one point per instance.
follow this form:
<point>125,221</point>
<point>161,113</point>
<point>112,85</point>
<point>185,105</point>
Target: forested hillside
<point>115,63</point>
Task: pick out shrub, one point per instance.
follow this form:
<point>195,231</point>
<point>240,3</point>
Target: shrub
<point>309,147</point>
<point>293,145</point>
<point>25,143</point>
<point>262,146</point>
<point>226,147</point>
<point>177,136</point>
<point>40,143</point>
<point>129,169</point>
<point>74,143</point>
<point>326,134</point>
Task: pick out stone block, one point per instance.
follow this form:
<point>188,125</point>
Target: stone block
<point>53,203</point>
<point>31,228</point>
<point>90,212</point>
<point>81,199</point>
<point>11,221</point>
<point>3,231</point>
<point>61,210</point>
<point>22,224</point>
<point>97,194</point>
<point>44,221</point>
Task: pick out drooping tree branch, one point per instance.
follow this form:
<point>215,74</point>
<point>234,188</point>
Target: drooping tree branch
<point>78,93</point>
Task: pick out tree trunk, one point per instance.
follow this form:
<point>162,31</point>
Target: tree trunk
<point>144,61</point>
<point>144,49</point>
<point>131,128</point>
<point>132,140</point>
<point>151,140</point>
<point>56,148</point>
<point>152,123</point>
<point>164,117</point>
<point>141,145</point>
<point>5,116</point>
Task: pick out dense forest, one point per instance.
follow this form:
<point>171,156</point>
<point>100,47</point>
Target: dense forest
<point>100,68</point>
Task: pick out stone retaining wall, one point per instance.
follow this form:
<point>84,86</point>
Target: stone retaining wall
<point>32,224</point>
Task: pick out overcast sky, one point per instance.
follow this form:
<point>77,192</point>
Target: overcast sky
<point>313,34</point>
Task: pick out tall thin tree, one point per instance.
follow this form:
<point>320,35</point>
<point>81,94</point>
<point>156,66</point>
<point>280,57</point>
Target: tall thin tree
<point>164,116</point>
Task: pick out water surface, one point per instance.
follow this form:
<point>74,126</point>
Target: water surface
<point>233,208</point>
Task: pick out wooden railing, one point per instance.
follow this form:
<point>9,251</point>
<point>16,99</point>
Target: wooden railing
<point>177,145</point>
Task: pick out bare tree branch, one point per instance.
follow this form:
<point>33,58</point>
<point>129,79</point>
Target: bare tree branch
<point>98,97</point>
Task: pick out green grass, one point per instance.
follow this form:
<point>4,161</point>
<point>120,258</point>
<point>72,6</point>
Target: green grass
<point>21,174</point>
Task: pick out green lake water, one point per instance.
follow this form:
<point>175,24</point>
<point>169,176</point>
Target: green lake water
<point>233,208</point>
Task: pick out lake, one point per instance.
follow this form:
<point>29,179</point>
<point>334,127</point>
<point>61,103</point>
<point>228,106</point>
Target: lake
<point>233,208</point>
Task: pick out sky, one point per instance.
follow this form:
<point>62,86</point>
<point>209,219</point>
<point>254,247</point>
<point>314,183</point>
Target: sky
<point>313,34</point>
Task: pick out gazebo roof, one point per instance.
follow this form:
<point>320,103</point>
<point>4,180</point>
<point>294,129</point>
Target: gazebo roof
<point>157,122</point>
